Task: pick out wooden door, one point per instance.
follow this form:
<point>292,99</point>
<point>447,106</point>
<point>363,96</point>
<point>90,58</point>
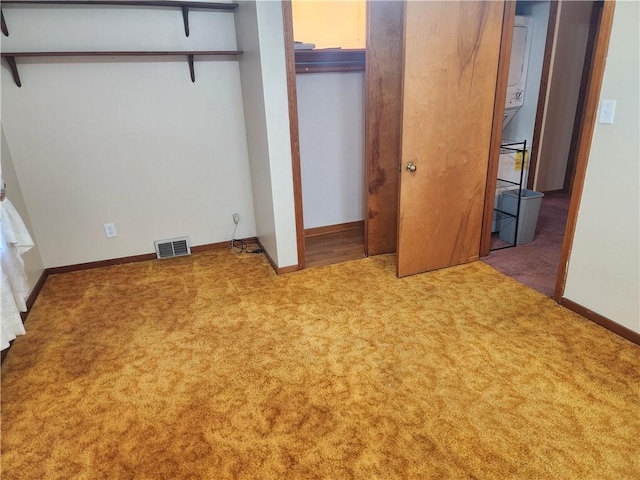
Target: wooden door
<point>451,54</point>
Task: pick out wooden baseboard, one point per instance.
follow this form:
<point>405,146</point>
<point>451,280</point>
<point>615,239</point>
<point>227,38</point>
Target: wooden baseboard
<point>554,192</point>
<point>30,301</point>
<point>220,245</point>
<point>138,258</point>
<point>326,230</point>
<point>4,353</point>
<point>35,292</point>
<point>99,264</point>
<point>601,320</point>
<point>278,270</point>
<point>289,269</point>
<point>114,261</point>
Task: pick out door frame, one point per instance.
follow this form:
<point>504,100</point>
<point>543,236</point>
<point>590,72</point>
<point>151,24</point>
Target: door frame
<point>292,93</point>
<point>586,125</point>
<point>383,115</point>
<point>502,77</point>
<point>596,15</point>
<point>552,26</point>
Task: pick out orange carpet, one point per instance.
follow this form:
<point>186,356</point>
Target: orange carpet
<point>213,367</point>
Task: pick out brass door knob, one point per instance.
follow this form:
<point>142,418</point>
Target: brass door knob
<point>411,167</point>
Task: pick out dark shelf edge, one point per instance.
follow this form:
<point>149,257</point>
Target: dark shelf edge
<point>184,6</point>
<point>502,212</point>
<point>329,67</point>
<point>507,181</point>
<point>5,30</point>
<point>221,6</point>
<point>330,60</point>
<point>11,57</point>
<point>124,53</point>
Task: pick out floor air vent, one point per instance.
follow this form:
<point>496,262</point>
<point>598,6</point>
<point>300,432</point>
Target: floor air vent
<point>174,247</point>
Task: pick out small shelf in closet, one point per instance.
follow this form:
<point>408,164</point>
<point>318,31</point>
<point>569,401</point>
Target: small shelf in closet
<point>501,217</point>
<point>183,6</point>
<point>330,60</point>
<point>11,57</point>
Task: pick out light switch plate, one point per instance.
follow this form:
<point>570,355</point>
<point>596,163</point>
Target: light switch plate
<point>110,230</point>
<point>607,110</point>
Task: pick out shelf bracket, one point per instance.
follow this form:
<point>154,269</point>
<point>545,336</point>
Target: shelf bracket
<point>14,70</point>
<point>191,68</point>
<point>5,30</point>
<point>185,18</point>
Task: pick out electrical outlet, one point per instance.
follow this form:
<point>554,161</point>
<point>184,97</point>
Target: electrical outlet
<point>236,218</point>
<point>110,230</point>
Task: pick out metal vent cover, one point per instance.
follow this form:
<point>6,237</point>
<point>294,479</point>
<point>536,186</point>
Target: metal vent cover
<point>172,247</point>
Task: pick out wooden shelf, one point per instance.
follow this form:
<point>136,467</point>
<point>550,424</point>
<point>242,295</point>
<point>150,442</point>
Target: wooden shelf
<point>184,6</point>
<point>124,53</point>
<point>135,3</point>
<point>190,54</point>
<point>330,60</point>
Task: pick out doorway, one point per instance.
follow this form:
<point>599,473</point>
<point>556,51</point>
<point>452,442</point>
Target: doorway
<point>329,64</point>
<point>558,112</point>
<point>376,171</point>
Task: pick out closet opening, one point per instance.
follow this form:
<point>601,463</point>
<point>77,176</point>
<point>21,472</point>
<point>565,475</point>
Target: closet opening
<point>329,54</point>
<point>550,75</point>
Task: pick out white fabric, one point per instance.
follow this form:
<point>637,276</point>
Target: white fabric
<point>14,242</point>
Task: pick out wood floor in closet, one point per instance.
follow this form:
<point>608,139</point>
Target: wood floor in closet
<point>334,247</point>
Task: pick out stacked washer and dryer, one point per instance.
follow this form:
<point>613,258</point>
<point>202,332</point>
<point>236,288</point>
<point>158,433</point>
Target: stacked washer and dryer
<point>516,84</point>
<point>520,48</point>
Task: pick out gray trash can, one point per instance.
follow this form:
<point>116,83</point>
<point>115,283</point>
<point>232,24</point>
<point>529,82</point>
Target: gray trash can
<point>529,209</point>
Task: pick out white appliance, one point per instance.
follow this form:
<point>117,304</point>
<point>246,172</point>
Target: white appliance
<point>516,83</point>
<point>508,166</point>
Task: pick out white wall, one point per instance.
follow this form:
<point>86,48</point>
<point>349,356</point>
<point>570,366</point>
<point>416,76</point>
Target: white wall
<point>331,123</point>
<point>32,260</point>
<point>264,86</point>
<point>130,141</point>
<point>574,19</point>
<point>256,127</point>
<point>604,266</point>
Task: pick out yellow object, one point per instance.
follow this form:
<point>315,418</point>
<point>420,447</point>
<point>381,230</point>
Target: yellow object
<point>330,24</point>
<point>518,162</point>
